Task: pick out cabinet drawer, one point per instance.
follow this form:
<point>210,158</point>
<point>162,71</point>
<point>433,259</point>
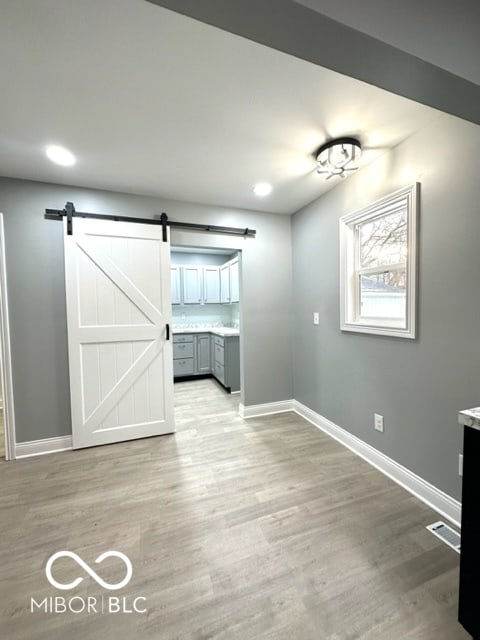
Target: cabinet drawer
<point>219,354</point>
<point>220,341</point>
<point>219,372</point>
<point>183,349</point>
<point>183,337</point>
<point>183,367</point>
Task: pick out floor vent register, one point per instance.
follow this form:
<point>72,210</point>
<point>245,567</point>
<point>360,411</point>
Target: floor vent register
<point>446,533</point>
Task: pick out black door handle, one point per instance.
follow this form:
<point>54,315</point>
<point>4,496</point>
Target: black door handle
<point>167,329</point>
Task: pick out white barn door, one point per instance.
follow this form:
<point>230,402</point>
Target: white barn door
<point>118,308</point>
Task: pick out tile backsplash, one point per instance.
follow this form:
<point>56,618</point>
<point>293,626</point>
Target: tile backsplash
<point>203,315</point>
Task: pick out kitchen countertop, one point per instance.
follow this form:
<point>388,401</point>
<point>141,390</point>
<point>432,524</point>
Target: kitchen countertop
<point>218,331</point>
<point>470,418</point>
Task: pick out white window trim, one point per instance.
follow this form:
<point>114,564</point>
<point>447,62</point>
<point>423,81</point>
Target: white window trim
<point>348,319</point>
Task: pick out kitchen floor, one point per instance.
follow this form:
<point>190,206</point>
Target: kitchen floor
<point>236,530</point>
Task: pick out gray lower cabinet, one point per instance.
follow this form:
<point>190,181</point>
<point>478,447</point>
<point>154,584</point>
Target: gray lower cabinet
<point>183,355</point>
<point>204,353</point>
<point>226,365</point>
<point>203,364</point>
<point>212,352</point>
<point>191,354</point>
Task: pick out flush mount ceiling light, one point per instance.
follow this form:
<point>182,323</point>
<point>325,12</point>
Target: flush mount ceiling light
<point>262,189</point>
<point>60,155</point>
<point>338,156</point>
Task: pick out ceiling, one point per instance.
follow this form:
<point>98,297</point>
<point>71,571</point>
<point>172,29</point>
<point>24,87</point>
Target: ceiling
<point>156,103</point>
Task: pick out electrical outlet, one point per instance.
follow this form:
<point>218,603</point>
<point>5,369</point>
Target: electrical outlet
<point>460,464</point>
<point>316,317</point>
<point>378,422</point>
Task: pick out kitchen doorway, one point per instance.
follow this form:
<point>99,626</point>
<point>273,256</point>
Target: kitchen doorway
<point>7,417</point>
<point>206,322</point>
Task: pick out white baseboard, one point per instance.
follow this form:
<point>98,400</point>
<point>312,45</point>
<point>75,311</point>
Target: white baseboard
<point>420,488</point>
<point>256,410</point>
<point>41,447</point>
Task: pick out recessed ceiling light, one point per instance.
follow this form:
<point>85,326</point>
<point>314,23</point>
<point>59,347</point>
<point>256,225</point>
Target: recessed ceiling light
<point>262,189</point>
<point>60,155</point>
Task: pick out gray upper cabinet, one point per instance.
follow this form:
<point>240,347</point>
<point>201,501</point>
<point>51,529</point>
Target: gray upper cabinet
<point>211,285</point>
<point>225,283</point>
<point>230,281</point>
<point>197,284</point>
<point>234,281</point>
<point>176,291</point>
<point>192,284</point>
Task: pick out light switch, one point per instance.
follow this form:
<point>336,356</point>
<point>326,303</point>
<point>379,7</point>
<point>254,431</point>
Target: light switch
<point>316,317</point>
<point>378,422</point>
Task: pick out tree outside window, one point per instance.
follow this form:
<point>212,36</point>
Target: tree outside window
<point>378,270</point>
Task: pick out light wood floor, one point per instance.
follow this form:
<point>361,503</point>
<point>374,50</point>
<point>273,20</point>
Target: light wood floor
<point>237,530</point>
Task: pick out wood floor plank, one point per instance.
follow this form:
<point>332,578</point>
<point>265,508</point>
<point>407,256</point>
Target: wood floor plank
<point>261,529</point>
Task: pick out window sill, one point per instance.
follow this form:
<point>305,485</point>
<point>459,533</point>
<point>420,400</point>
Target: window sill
<point>392,331</point>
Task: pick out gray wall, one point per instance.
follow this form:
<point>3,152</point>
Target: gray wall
<point>36,289</point>
<point>417,385</point>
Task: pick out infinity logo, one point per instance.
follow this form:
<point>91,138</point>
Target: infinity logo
<point>87,569</point>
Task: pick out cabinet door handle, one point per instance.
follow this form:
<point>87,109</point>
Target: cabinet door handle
<point>167,331</point>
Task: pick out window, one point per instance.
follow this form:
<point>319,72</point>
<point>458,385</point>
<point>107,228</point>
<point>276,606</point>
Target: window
<point>378,266</point>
